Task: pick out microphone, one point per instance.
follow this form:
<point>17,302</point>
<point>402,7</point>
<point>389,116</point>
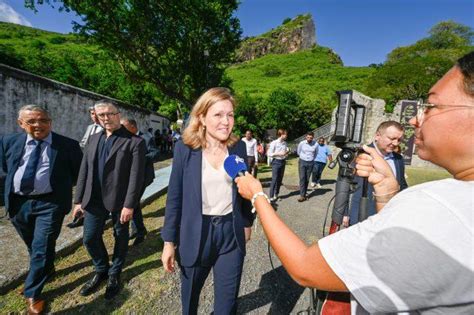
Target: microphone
<point>235,166</point>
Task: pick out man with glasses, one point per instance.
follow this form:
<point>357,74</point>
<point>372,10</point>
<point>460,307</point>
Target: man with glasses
<point>388,136</point>
<point>110,181</point>
<point>415,255</point>
<point>41,168</point>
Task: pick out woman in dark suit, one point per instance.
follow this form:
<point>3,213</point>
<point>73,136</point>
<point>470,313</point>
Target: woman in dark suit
<point>206,221</point>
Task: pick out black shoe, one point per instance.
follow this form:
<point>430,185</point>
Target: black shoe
<point>93,284</point>
<point>76,223</point>
<point>138,240</point>
<point>113,287</point>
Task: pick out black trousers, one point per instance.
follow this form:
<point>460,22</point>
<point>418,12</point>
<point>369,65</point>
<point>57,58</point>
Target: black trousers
<point>278,170</point>
<point>94,223</point>
<point>304,169</point>
<point>138,227</point>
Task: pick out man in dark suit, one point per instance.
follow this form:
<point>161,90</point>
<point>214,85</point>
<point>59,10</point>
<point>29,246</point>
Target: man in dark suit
<point>138,228</point>
<point>388,136</point>
<point>110,181</point>
<point>41,168</point>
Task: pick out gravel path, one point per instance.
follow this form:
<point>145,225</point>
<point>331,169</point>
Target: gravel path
<point>264,290</point>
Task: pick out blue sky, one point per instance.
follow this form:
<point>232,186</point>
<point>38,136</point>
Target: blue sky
<point>360,31</point>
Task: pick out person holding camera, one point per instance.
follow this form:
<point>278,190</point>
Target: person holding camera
<point>415,254</point>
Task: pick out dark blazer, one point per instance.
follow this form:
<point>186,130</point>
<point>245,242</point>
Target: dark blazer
<point>183,215</point>
<point>123,172</point>
<point>65,160</point>
<point>355,201</point>
<point>152,154</point>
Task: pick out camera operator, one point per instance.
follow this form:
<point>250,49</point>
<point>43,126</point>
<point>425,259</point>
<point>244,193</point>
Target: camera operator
<point>416,254</point>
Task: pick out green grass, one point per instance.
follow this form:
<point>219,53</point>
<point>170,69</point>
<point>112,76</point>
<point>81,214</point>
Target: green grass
<point>417,175</point>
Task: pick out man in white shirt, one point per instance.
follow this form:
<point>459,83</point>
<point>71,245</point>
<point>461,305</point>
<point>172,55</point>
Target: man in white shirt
<point>415,255</point>
<point>92,129</point>
<point>307,150</point>
<point>278,151</point>
<point>252,153</point>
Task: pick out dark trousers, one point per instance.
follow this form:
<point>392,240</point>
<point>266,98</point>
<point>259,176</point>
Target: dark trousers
<point>278,169</point>
<point>220,252</point>
<point>138,227</point>
<point>317,171</point>
<point>38,220</point>
<point>252,166</point>
<point>304,169</point>
<point>94,223</point>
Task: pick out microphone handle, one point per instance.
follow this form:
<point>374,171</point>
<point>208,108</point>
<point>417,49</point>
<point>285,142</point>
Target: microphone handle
<point>341,200</point>
<point>364,202</point>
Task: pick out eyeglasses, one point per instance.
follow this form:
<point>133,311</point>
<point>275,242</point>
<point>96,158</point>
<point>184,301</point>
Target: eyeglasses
<point>423,108</point>
<point>108,115</point>
<point>33,122</point>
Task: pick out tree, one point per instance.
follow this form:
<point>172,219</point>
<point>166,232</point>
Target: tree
<point>181,46</point>
<point>449,33</point>
<point>409,71</point>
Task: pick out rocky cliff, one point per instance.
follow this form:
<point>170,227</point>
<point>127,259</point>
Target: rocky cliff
<point>293,35</point>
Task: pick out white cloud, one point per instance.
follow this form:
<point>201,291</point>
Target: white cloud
<point>8,14</point>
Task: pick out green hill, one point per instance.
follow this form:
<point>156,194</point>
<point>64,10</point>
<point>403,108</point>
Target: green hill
<point>314,74</point>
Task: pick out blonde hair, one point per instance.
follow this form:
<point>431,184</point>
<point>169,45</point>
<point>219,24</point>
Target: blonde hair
<point>194,135</point>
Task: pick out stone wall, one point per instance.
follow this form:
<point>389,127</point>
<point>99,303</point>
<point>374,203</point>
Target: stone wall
<point>68,105</point>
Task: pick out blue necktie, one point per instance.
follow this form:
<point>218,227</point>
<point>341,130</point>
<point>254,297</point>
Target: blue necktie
<point>28,180</point>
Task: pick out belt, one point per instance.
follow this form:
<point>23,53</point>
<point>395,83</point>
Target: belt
<point>218,219</point>
<point>34,197</point>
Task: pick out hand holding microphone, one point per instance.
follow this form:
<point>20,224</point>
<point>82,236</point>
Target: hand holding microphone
<point>237,169</point>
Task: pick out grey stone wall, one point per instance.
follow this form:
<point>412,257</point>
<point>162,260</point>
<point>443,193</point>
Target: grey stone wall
<point>68,105</point>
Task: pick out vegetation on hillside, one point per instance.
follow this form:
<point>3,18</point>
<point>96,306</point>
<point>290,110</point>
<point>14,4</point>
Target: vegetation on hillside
<point>73,60</point>
<point>310,78</point>
<point>293,91</point>
<point>410,71</point>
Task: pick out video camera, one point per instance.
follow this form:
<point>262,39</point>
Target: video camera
<point>347,136</point>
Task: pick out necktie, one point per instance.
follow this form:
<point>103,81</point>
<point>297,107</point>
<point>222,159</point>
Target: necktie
<point>28,179</point>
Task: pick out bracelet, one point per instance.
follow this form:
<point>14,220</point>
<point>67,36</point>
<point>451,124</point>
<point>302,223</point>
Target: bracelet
<point>384,198</point>
<point>260,193</point>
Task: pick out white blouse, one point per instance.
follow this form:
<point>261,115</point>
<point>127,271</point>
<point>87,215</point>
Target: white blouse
<point>216,187</point>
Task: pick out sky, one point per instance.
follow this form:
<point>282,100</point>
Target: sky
<point>362,32</point>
